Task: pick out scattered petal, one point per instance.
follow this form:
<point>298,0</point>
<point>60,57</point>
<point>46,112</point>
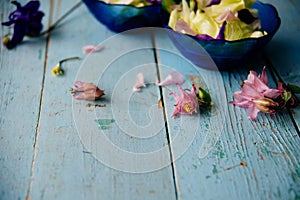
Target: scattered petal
<point>172,79</point>
<point>91,49</point>
<point>139,83</point>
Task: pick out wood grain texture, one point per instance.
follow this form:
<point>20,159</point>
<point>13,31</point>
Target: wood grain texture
<point>67,166</point>
<point>283,51</point>
<point>251,160</point>
<point>51,147</point>
<point>21,79</point>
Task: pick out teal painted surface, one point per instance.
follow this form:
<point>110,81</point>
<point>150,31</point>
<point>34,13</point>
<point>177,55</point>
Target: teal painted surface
<point>64,158</point>
<point>21,72</point>
<point>52,150</point>
<point>251,160</point>
<point>283,50</point>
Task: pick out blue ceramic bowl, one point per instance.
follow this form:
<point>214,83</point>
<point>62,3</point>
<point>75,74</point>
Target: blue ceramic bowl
<point>120,18</point>
<point>228,54</point>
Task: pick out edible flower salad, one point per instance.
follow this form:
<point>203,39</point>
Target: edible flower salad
<point>216,19</point>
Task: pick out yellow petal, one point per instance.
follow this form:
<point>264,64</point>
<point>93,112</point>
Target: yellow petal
<point>236,30</point>
<point>233,5</point>
<point>203,24</point>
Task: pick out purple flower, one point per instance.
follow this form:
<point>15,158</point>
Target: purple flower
<point>26,20</point>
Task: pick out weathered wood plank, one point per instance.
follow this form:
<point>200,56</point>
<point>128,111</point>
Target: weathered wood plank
<point>68,154</point>
<point>283,51</point>
<point>251,160</point>
<point>21,79</point>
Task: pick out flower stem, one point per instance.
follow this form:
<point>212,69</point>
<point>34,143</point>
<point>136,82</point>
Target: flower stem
<point>77,5</point>
<point>66,59</point>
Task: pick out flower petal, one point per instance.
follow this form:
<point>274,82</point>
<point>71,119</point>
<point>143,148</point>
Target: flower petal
<point>19,33</point>
<point>240,100</point>
<point>91,49</point>
<point>182,27</point>
<point>172,79</point>
<point>221,35</point>
<point>139,83</point>
<point>213,2</point>
<point>186,103</point>
<point>263,77</point>
<point>272,93</point>
<point>252,112</point>
<point>226,16</point>
<point>33,6</point>
<point>250,92</point>
<point>204,37</point>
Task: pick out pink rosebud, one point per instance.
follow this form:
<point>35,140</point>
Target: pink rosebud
<point>186,103</point>
<point>86,91</point>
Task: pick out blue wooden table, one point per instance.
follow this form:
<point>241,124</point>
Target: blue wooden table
<point>125,146</point>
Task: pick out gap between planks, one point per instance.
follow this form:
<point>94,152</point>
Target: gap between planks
<point>37,130</point>
<point>173,166</point>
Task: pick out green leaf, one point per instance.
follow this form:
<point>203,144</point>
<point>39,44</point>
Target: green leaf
<point>287,96</point>
<point>294,88</point>
<point>205,97</point>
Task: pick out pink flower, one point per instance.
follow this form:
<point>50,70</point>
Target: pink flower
<point>256,96</point>
<point>139,83</point>
<point>86,91</point>
<point>91,49</point>
<point>187,103</point>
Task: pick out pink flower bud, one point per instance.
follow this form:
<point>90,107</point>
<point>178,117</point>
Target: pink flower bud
<point>86,91</point>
